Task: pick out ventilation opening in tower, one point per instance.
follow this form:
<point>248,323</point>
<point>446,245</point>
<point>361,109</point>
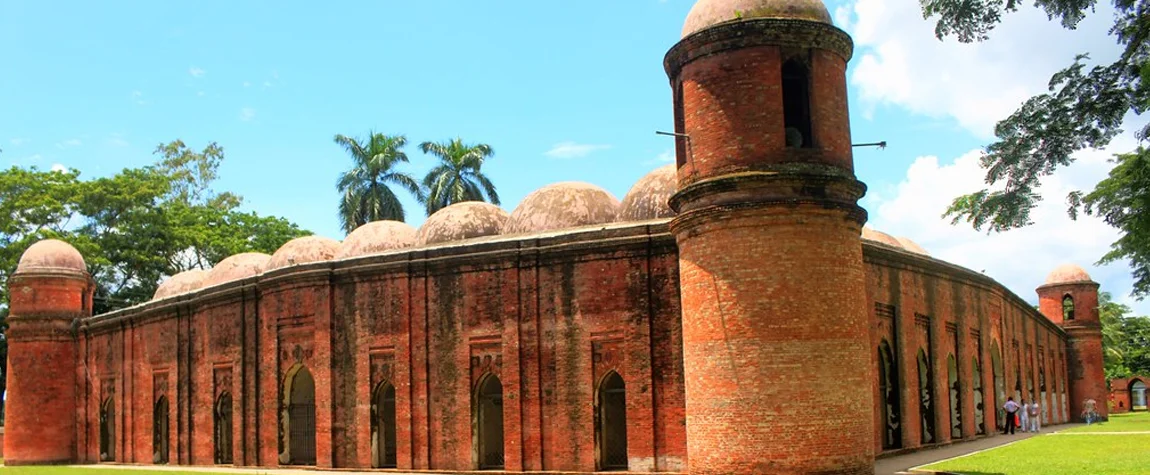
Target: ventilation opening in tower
<point>797,105</point>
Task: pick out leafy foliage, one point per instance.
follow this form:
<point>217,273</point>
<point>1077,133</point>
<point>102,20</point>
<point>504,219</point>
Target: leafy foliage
<point>365,192</point>
<point>1084,107</point>
<point>1125,339</point>
<point>135,227</point>
<point>457,177</point>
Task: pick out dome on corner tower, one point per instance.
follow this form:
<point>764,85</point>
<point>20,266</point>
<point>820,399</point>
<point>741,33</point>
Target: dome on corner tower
<point>1068,274</point>
<point>708,13</point>
<point>51,255</point>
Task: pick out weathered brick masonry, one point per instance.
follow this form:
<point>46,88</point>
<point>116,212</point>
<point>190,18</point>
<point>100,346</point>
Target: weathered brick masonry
<point>730,315</point>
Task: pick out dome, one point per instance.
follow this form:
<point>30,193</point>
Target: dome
<point>462,221</point>
<point>49,255</point>
<point>181,283</point>
<point>912,246</point>
<point>239,266</point>
<point>563,205</point>
<point>708,13</point>
<point>303,250</point>
<point>648,197</point>
<point>376,237</point>
<point>1068,274</point>
<point>880,237</point>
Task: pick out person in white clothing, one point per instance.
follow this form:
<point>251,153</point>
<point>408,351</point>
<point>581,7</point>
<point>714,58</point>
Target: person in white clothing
<point>1023,419</point>
<point>1034,416</point>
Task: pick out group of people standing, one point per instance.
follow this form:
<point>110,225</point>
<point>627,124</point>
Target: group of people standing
<point>1025,416</point>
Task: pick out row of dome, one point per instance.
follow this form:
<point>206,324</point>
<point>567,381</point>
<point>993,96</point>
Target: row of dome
<point>553,207</point>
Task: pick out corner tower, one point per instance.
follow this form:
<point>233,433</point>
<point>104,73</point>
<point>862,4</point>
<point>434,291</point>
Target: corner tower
<point>768,226</point>
<point>1070,298</point>
<point>50,289</point>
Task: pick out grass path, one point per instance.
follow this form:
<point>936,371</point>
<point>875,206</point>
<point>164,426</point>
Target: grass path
<point>1118,447</point>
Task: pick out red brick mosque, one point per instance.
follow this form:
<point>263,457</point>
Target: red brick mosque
<point>731,315</point>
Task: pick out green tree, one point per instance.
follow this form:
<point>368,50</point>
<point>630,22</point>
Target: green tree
<point>365,194</point>
<point>457,177</point>
<point>1084,108</point>
<point>1111,313</point>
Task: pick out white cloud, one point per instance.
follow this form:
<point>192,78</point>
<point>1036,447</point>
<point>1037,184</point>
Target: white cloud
<point>116,140</point>
<point>247,84</point>
<point>573,150</point>
<point>667,156</point>
<point>138,98</point>
<point>200,93</point>
<point>18,141</point>
<point>899,61</point>
<point>196,72</point>
<point>69,143</point>
<point>247,114</point>
<point>1020,258</point>
<point>56,167</point>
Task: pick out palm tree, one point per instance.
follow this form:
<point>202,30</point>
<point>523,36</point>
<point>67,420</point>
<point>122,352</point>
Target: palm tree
<point>457,178</point>
<point>365,192</point>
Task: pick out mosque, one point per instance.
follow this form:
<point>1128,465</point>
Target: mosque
<point>730,315</point>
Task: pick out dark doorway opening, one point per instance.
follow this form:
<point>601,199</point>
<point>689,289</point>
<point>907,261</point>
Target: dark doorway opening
<point>300,411</point>
<point>383,441</point>
<point>489,423</point>
<point>160,431</point>
<point>797,104</point>
<point>223,432</point>
<point>108,431</point>
<point>611,423</point>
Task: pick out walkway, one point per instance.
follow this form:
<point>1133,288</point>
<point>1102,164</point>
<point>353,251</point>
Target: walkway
<point>902,464</point>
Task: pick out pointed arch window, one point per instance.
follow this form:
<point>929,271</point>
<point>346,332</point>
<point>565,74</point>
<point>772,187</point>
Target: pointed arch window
<point>1067,307</point>
<point>926,398</point>
<point>889,398</point>
<point>299,418</point>
<point>955,397</point>
<point>108,431</point>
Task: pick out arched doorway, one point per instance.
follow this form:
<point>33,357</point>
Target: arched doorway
<point>108,431</point>
<point>889,398</point>
<point>1137,395</point>
<point>955,386</point>
<point>979,400</point>
<point>611,423</point>
<point>223,429</point>
<point>926,398</point>
<point>488,417</point>
<point>796,104</point>
<point>160,431</point>
<point>298,418</point>
<point>383,442</point>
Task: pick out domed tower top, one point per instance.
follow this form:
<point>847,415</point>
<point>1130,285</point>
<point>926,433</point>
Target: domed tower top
<point>1069,296</point>
<point>708,13</point>
<point>52,255</point>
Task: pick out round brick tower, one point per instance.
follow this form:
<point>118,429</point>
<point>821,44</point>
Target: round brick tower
<point>50,289</point>
<point>775,328</point>
<point>1070,298</point>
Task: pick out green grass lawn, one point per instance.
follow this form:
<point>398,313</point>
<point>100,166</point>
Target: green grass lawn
<point>1074,451</point>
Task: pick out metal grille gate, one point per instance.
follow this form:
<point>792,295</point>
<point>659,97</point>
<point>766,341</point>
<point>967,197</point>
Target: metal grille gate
<point>302,435</point>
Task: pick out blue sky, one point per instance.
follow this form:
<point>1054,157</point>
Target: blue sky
<point>561,90</point>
